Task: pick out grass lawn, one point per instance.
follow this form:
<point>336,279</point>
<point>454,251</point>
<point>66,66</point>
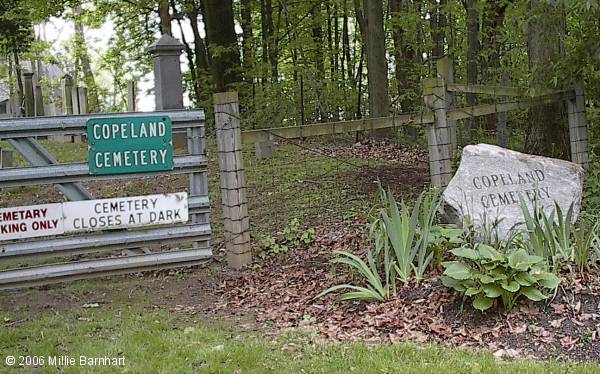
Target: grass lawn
<point>154,342</point>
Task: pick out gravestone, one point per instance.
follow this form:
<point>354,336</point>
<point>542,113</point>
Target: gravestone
<point>490,179</point>
<point>6,158</point>
<point>264,149</point>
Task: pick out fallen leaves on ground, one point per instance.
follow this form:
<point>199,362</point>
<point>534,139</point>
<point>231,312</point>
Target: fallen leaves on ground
<point>408,154</point>
<point>280,295</point>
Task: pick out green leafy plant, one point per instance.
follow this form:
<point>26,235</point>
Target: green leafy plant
<point>375,288</point>
<point>270,243</point>
<point>401,239</point>
<point>548,236</point>
<point>292,236</point>
<point>430,202</point>
<point>485,274</point>
<point>585,240</point>
<point>443,238</point>
<point>409,233</point>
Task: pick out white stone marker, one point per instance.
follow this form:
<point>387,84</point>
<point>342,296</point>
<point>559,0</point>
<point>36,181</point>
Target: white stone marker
<point>490,179</point>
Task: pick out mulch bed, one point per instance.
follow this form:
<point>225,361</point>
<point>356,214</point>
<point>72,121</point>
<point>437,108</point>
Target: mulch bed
<point>280,295</point>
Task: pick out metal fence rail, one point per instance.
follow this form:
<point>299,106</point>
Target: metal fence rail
<point>73,125</point>
<point>56,273</point>
<point>79,172</point>
<point>45,170</point>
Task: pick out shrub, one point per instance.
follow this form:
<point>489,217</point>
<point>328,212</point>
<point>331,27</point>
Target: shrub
<point>486,275</point>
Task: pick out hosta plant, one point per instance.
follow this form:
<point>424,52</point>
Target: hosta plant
<point>487,275</point>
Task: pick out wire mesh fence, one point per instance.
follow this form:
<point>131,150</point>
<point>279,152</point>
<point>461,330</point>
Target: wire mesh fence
<point>329,179</point>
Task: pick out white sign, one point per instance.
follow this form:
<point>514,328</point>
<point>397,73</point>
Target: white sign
<point>125,212</point>
<point>31,221</point>
<point>93,215</point>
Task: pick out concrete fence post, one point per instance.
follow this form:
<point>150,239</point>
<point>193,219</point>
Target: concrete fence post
<point>67,86</point>
<point>39,101</point>
<point>82,93</point>
<point>445,70</point>
<point>233,184</point>
<point>578,127</point>
<point>75,98</point>
<point>438,133</point>
<point>131,96</point>
<point>168,82</point>
<point>502,117</point>
<point>29,95</point>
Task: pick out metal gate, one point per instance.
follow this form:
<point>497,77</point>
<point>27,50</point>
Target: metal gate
<point>22,133</point>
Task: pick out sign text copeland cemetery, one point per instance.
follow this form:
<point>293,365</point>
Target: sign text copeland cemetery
<point>92,215</point>
<point>130,144</point>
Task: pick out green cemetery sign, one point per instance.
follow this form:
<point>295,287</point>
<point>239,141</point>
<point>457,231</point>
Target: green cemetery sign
<point>130,144</point>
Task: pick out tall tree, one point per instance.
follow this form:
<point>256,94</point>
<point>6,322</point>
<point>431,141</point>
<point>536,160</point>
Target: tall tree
<point>223,46</point>
<point>547,133</point>
<point>438,22</point>
<point>247,40</point>
<point>377,68</point>
<point>472,51</point>
<point>82,61</point>
<point>404,56</point>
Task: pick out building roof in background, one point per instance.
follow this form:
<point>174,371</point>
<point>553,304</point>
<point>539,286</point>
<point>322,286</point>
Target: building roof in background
<point>49,71</point>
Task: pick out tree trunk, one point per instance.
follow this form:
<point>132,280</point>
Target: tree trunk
<point>317,37</point>
<point>472,52</point>
<point>547,135</point>
<point>190,54</point>
<point>165,17</point>
<point>404,59</point>
<point>376,60</point>
<point>202,59</point>
<point>220,32</point>
<point>20,90</point>
<point>492,23</point>
<point>269,42</point>
<point>438,24</point>
<point>247,40</point>
<point>84,61</point>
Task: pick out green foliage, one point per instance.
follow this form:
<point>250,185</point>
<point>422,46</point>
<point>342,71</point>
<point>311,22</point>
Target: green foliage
<point>485,274</point>
<point>292,236</point>
<point>402,238</point>
<point>591,191</point>
<point>585,243</point>
<point>443,238</point>
<point>409,231</point>
<point>374,290</point>
<point>549,236</point>
<point>16,26</point>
